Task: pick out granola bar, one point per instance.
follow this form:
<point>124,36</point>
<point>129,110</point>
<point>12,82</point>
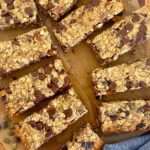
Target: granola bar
<point>56,9</point>
<point>84,20</point>
<point>121,78</point>
<point>25,49</point>
<point>125,116</point>
<point>17,12</point>
<point>85,139</point>
<point>60,113</point>
<point>27,91</point>
<point>123,36</point>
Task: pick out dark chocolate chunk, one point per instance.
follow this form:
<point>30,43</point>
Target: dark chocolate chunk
<point>54,87</point>
<point>39,125</point>
<point>73,21</point>
<point>60,27</point>
<point>140,125</point>
<point>49,133</point>
<point>10,6</point>
<point>32,123</point>
<point>67,81</point>
<point>15,41</point>
<point>129,84</point>
<point>112,86</point>
<point>54,80</point>
<point>29,11</point>
<point>135,18</point>
<point>87,145</point>
<point>129,26</point>
<point>42,76</point>
<point>4,99</point>
<point>68,113</point>
<point>122,32</point>
<point>47,70</point>
<point>127,113</point>
<point>113,117</point>
<point>144,108</point>
<point>51,110</point>
<point>38,95</point>
<point>141,84</point>
<point>8,90</point>
<point>35,73</point>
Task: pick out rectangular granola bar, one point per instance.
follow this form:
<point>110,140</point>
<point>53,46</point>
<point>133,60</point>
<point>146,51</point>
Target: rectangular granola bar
<point>123,36</point>
<point>17,12</point>
<point>85,139</point>
<point>60,113</point>
<point>27,91</point>
<point>121,78</point>
<point>56,9</point>
<point>125,116</point>
<point>84,20</point>
<point>25,49</point>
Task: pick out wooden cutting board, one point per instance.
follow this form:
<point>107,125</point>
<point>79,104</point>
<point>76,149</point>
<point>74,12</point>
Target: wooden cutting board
<point>79,64</point>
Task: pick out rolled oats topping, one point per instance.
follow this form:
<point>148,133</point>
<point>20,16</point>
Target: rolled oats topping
<point>25,49</point>
<point>56,9</point>
<point>17,12</point>
<point>122,36</point>
<point>121,78</point>
<point>40,127</point>
<point>85,139</point>
<point>27,91</point>
<point>84,20</point>
<point>125,116</point>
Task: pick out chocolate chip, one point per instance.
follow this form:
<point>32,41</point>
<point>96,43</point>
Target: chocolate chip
<point>2,72</point>
<point>42,76</point>
<point>4,99</point>
<point>127,113</point>
<point>122,32</point>
<point>140,36</point>
<point>39,125</point>
<point>15,41</point>
<point>144,108</point>
<point>9,1</point>
<point>49,6</point>
<point>33,124</point>
<point>49,134</point>
<point>51,110</point>
<point>10,6</point>
<point>129,27</point>
<point>68,113</point>
<point>35,73</point>
<point>140,125</point>
<point>141,2</point>
<point>54,87</point>
<point>129,84</point>
<point>95,2</point>
<point>54,80</point>
<point>135,18</point>
<point>8,90</point>
<point>29,11</point>
<point>67,81</point>
<point>148,62</point>
<point>143,27</point>
<point>47,70</point>
<point>5,13</point>
<point>113,117</point>
<point>112,86</point>
<point>73,21</point>
<point>141,84</point>
<point>60,27</point>
<point>39,96</point>
<point>125,40</point>
<point>87,145</point>
<point>8,18</point>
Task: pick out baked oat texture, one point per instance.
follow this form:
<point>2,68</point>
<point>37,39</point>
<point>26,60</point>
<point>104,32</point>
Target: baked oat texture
<point>121,78</point>
<point>25,49</point>
<point>84,20</point>
<point>56,9</point>
<point>123,36</point>
<point>27,91</point>
<point>40,127</point>
<point>85,139</point>
<point>125,116</point>
<point>17,12</point>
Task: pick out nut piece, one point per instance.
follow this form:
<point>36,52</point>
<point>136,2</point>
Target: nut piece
<point>125,116</point>
<point>121,78</point>
<point>122,36</point>
<point>40,127</point>
<point>84,20</point>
